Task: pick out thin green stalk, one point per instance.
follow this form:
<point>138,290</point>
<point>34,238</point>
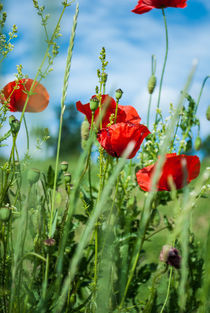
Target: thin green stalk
<point>164,64</point>
<point>168,290</point>
<point>27,135</point>
<point>116,109</point>
<point>65,86</point>
<point>201,91</point>
<point>149,107</point>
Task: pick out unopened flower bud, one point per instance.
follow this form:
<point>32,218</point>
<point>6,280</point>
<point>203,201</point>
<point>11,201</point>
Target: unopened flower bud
<point>5,213</point>
<point>170,256</point>
<point>198,143</point>
<point>208,113</point>
<point>94,102</point>
<point>151,84</point>
<point>104,77</point>
<point>64,166</point>
<point>118,94</point>
<point>14,125</point>
<point>49,242</point>
<point>67,177</point>
<point>33,176</point>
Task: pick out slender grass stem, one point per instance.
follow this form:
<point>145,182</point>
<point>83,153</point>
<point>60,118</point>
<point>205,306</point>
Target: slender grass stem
<point>65,86</point>
<point>164,64</point>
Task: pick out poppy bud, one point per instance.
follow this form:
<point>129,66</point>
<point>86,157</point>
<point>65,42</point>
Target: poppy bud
<point>104,77</point>
<point>198,143</point>
<point>33,176</point>
<point>208,113</point>
<point>151,84</point>
<point>14,124</point>
<point>5,214</point>
<point>170,256</point>
<point>64,166</point>
<point>67,177</point>
<point>118,94</point>
<point>49,242</point>
<point>94,102</point>
<point>84,133</point>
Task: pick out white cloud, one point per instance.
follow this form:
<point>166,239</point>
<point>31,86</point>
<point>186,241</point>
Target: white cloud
<point>130,41</point>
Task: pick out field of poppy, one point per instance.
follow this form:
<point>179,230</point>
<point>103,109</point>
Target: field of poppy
<point>111,235</point>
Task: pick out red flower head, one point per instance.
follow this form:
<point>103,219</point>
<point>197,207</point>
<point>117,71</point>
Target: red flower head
<point>124,114</point>
<point>173,167</point>
<point>144,6</point>
<point>15,96</point>
<point>115,138</point>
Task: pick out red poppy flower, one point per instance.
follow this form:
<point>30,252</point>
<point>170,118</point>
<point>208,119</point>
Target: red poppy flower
<point>144,6</point>
<point>172,167</point>
<point>115,138</point>
<point>124,113</point>
<point>15,96</point>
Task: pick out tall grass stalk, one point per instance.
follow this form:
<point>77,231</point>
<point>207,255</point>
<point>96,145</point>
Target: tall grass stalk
<point>87,232</point>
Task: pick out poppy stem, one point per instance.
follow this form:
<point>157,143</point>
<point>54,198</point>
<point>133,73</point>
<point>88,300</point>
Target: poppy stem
<point>116,109</point>
<point>201,91</point>
<point>27,135</point>
<point>164,64</point>
<point>148,112</point>
<point>168,290</point>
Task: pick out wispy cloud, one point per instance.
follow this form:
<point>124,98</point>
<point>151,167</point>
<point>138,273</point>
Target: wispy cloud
<point>130,40</point>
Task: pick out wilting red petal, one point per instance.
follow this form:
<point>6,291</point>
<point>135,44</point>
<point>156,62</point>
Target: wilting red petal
<point>115,138</point>
<point>144,6</point>
<point>173,167</point>
<point>124,113</point>
<point>16,98</point>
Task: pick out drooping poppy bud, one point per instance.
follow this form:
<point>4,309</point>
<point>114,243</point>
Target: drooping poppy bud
<point>118,94</point>
<point>14,124</point>
<point>33,176</point>
<point>151,84</point>
<point>15,95</point>
<point>170,256</point>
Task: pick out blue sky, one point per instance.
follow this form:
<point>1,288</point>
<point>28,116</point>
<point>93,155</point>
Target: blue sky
<point>129,39</point>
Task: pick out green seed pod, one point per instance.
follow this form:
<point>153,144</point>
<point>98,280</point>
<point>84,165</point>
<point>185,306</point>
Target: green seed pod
<point>33,176</point>
<point>67,177</point>
<point>118,94</point>
<point>198,143</point>
<point>14,124</point>
<point>64,166</point>
<point>94,103</point>
<point>5,214</point>
<point>85,130</point>
<point>208,113</point>
<point>151,84</point>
